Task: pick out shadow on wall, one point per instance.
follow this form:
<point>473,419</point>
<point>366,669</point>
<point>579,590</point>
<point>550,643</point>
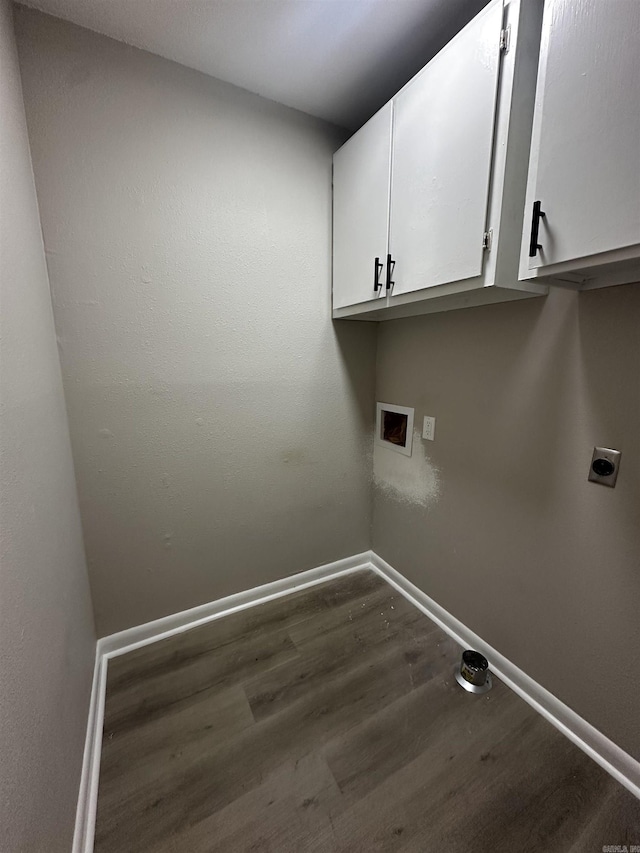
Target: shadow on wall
<point>357,348</point>
<point>510,399</point>
<point>608,338</point>
<point>521,397</point>
<point>467,415</point>
<point>540,367</point>
<point>522,392</point>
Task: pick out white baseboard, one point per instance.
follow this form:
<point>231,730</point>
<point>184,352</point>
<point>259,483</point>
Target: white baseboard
<point>151,632</point>
<point>141,635</point>
<point>614,760</point>
<point>597,746</point>
<point>88,795</point>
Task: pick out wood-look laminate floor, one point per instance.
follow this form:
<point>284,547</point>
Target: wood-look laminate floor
<point>329,720</point>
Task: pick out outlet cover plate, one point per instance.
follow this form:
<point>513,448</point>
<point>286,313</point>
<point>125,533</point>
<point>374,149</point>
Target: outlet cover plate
<point>429,428</point>
<point>604,455</point>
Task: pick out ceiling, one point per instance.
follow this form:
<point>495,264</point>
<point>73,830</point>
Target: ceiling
<point>339,60</point>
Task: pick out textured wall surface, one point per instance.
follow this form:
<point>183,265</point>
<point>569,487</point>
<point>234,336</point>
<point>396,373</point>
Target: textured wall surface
<point>47,642</point>
<point>220,423</point>
<point>515,542</point>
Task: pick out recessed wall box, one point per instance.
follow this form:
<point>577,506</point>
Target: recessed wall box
<point>394,427</point>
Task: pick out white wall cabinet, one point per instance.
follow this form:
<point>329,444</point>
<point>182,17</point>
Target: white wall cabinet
<point>584,171</point>
<point>445,166</point>
<point>361,176</point>
<point>442,146</point>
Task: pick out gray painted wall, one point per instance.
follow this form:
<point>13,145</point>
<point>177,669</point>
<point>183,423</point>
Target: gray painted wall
<point>220,424</point>
<point>495,519</point>
<point>47,642</point>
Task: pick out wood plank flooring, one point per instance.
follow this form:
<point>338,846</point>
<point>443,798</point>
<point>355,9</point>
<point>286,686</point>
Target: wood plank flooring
<point>329,720</point>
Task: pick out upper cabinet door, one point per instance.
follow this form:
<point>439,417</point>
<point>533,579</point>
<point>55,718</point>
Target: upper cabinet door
<point>585,157</point>
<point>361,174</point>
<point>442,153</point>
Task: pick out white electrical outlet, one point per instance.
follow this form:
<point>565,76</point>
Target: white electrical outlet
<point>429,428</point>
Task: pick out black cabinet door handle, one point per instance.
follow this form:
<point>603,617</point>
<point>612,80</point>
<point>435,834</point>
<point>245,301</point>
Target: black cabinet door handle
<point>390,268</point>
<point>538,214</point>
<point>377,269</point>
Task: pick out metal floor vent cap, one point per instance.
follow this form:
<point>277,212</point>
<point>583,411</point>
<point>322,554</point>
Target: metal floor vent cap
<point>474,673</point>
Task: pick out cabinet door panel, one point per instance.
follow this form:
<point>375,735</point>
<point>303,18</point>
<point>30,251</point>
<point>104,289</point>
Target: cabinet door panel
<point>361,170</point>
<point>586,147</point>
<point>442,152</point>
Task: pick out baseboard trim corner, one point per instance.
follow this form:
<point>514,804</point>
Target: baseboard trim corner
<point>88,794</point>
<point>618,763</point>
<point>141,635</point>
